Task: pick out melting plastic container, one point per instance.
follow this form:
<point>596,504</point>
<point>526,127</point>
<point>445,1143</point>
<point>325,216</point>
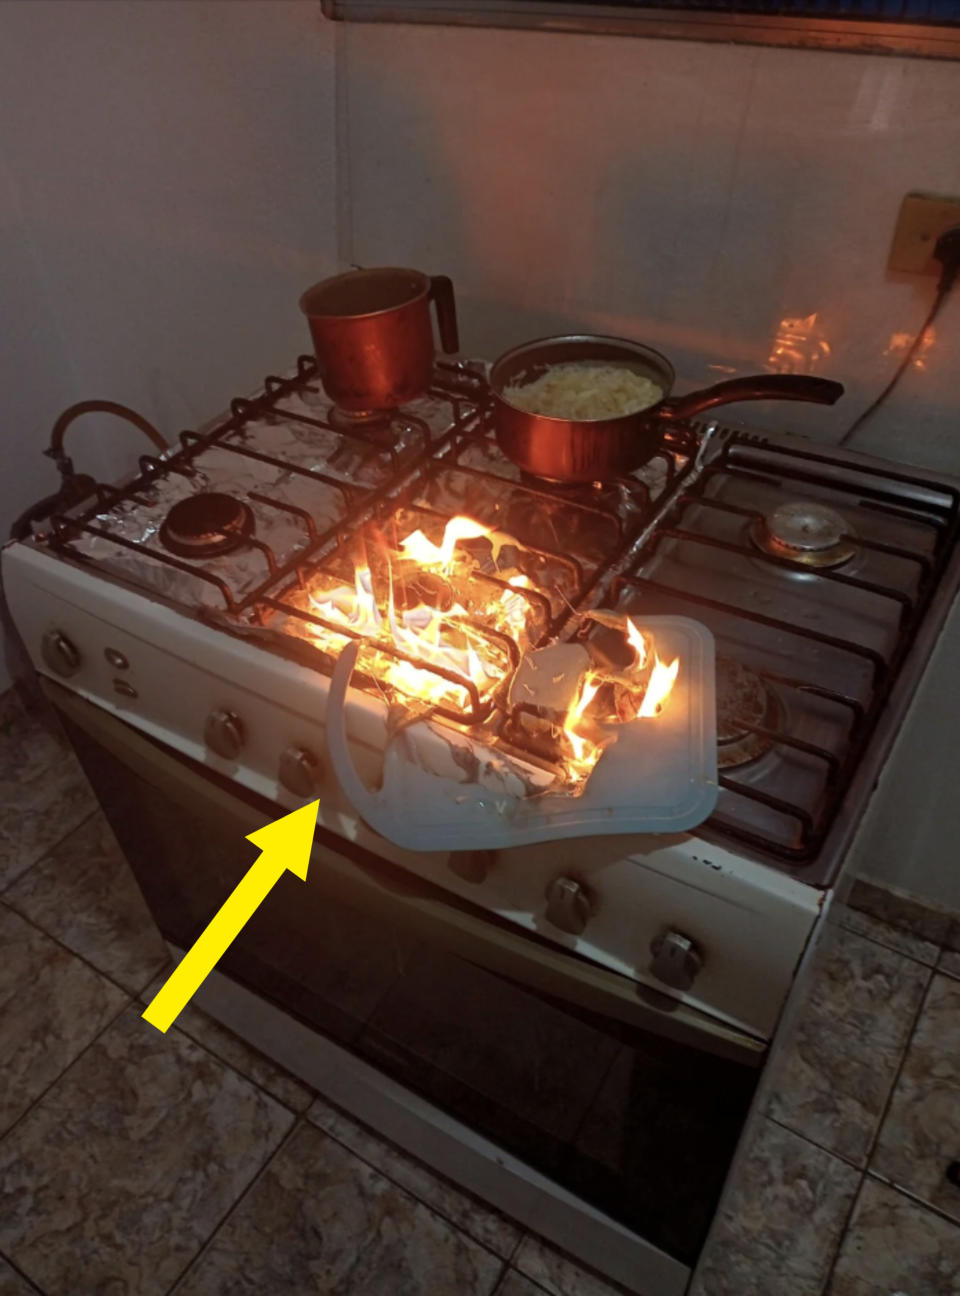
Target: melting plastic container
<point>659,776</point>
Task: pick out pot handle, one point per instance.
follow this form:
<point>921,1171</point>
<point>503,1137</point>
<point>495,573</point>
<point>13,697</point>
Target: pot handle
<point>798,387</point>
<point>441,294</point>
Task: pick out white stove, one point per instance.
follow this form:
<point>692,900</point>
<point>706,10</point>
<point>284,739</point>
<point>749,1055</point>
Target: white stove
<point>202,604</point>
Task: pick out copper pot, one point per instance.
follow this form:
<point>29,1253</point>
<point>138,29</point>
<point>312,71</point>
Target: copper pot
<point>586,450</point>
<point>372,334</point>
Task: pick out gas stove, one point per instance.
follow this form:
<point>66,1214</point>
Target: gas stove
<point>210,601</point>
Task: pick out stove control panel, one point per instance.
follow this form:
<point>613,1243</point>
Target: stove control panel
<point>299,771</point>
<point>471,865</point>
<point>224,734</point>
<point>568,905</point>
<point>676,960</point>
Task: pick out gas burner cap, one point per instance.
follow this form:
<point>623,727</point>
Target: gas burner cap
<point>805,532</point>
<point>743,699</point>
<point>206,525</point>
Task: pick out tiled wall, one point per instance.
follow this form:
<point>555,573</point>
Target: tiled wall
<point>695,196</point>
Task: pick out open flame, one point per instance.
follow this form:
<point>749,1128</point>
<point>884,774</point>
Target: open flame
<point>424,551</point>
<point>638,643</point>
<point>647,701</point>
<point>445,647</point>
<point>445,639</point>
<point>662,680</point>
<point>581,746</point>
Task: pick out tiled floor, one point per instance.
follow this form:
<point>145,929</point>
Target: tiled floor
<point>133,1163</point>
<point>843,1189</point>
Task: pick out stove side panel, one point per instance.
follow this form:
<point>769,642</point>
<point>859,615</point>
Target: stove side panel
<point>913,823</point>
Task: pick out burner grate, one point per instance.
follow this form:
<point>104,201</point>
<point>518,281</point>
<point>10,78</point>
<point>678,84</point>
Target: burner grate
<point>457,388</point>
<point>570,541</point>
<point>764,609</point>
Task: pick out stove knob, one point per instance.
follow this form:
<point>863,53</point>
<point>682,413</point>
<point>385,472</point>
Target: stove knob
<point>59,653</point>
<point>223,733</point>
<point>299,771</point>
<point>568,905</point>
<point>676,960</point>
<point>471,865</point>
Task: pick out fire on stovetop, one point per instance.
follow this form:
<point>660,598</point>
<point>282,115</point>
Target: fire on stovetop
<point>438,630</point>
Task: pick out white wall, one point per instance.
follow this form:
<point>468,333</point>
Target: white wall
<point>690,195</point>
<point>167,190</point>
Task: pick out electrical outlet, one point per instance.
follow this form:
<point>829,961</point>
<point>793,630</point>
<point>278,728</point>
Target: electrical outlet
<point>923,218</point>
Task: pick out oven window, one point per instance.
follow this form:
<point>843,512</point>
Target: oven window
<point>640,1127</point>
<point>926,27</point>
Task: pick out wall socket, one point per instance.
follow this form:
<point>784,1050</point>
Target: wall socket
<point>923,218</point>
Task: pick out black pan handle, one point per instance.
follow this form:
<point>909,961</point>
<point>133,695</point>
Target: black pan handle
<point>798,387</point>
<point>441,293</point>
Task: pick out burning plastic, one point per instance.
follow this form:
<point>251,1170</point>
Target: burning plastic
<point>568,702</point>
<point>437,630</point>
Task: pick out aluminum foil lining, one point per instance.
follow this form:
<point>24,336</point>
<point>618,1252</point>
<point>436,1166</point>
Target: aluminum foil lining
<point>360,464</point>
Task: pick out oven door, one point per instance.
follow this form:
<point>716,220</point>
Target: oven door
<point>634,1107</point>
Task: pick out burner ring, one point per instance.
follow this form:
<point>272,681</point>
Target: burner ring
<point>742,696</point>
<point>206,525</point>
<point>805,532</point>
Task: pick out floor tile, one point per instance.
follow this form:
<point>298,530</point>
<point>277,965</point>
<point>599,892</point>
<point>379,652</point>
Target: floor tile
<point>84,894</point>
<point>236,1052</point>
<point>833,1078</point>
<point>11,1284</point>
<point>514,1284</point>
<point>921,1132</point>
<point>557,1273</point>
<point>321,1220</point>
<point>43,792</point>
<point>112,1182</point>
<point>51,1006</point>
<point>534,1059</point>
<point>950,957</point>
<point>480,1221</point>
<point>904,942</point>
<point>896,1246</point>
<point>899,911</point>
<point>779,1227</point>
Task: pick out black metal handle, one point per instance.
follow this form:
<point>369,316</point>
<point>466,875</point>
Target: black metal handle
<point>798,387</point>
<point>441,293</point>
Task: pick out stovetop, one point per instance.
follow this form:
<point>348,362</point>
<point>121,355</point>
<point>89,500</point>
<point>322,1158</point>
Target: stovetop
<point>814,569</point>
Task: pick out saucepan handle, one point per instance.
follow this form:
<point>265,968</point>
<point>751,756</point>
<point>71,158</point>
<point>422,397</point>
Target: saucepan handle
<point>441,294</point>
<point>798,387</point>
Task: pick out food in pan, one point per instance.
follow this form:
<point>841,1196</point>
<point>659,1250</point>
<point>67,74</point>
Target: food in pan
<point>585,391</point>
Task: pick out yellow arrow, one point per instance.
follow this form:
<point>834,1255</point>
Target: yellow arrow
<point>284,844</point>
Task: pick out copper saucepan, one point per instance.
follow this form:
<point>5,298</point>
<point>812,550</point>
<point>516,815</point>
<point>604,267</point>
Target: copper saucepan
<point>372,335</point>
<point>586,450</point>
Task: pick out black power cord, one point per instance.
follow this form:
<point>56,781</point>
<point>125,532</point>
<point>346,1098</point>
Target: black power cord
<point>947,251</point>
